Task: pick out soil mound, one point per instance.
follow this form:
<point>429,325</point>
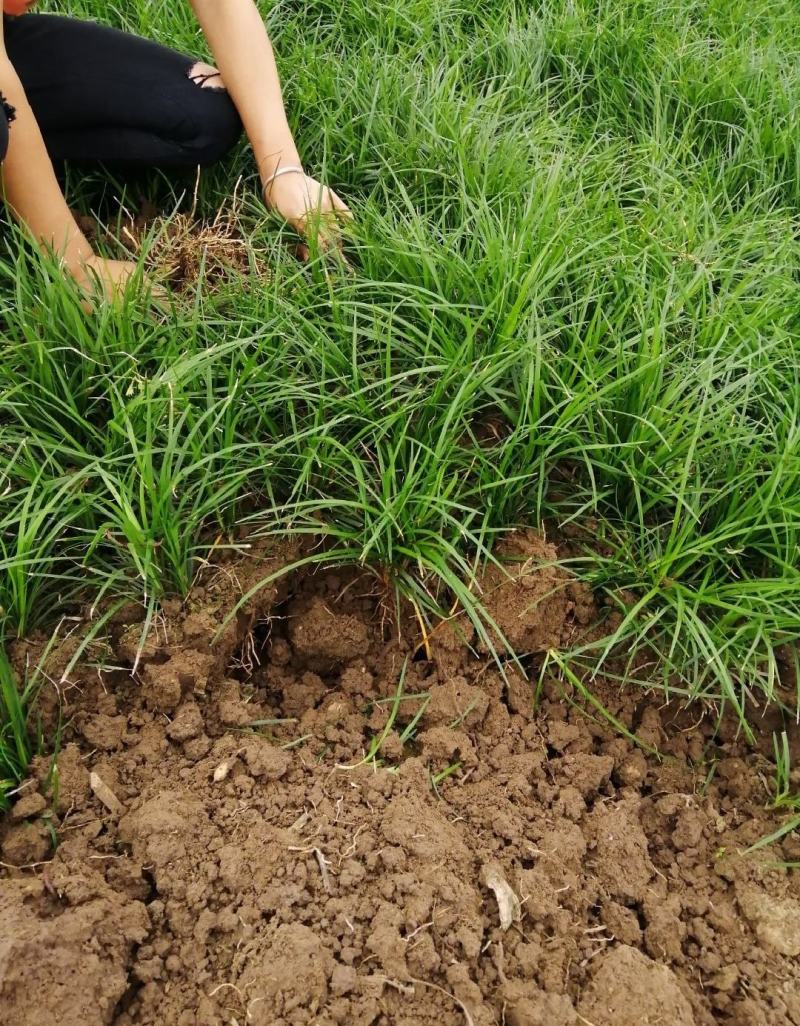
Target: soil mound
<point>228,855</point>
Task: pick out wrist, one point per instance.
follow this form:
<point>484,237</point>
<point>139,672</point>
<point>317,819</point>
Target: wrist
<point>277,157</point>
<point>77,253</point>
<point>87,270</point>
<point>278,180</point>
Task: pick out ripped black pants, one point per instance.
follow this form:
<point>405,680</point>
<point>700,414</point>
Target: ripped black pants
<point>107,96</point>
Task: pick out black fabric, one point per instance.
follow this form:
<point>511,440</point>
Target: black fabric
<point>6,117</point>
<point>101,95</point>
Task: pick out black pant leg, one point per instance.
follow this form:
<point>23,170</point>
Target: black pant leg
<point>103,95</point>
<point>7,115</point>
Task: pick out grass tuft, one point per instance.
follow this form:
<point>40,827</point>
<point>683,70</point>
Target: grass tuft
<point>573,299</point>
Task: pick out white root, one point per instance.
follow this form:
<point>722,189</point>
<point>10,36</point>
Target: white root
<point>404,988</point>
<point>323,868</point>
<point>435,986</point>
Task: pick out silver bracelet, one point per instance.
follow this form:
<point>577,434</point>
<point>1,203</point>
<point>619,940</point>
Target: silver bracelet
<point>288,170</point>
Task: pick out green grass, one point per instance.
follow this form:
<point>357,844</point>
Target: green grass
<point>786,800</point>
<point>21,735</point>
<point>15,744</point>
<point>578,219</point>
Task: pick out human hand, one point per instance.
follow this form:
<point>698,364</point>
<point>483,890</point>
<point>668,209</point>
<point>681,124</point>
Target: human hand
<point>311,208</point>
<point>111,279</point>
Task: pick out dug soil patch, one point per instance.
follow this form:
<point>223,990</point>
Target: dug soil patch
<point>227,856</point>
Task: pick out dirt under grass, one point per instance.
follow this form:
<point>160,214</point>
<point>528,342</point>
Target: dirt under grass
<point>226,855</point>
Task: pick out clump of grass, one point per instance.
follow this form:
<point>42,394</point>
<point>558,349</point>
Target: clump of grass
<point>577,222</point>
<point>16,744</point>
<point>786,797</point>
<point>187,254</point>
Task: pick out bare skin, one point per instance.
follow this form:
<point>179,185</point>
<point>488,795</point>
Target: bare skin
<point>241,47</point>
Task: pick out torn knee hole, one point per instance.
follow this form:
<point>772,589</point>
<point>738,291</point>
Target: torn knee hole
<point>9,111</point>
<point>205,76</point>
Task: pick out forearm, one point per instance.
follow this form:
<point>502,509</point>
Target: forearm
<point>29,184</point>
<point>243,53</point>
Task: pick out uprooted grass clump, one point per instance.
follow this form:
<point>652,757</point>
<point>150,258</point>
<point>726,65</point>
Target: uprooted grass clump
<point>184,251</point>
<point>187,254</point>
<point>576,221</point>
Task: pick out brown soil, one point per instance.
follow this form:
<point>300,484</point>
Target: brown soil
<point>501,866</point>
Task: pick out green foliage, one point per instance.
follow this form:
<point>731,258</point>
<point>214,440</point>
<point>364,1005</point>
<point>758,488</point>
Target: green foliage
<point>574,295</point>
<point>786,799</point>
<point>16,748</point>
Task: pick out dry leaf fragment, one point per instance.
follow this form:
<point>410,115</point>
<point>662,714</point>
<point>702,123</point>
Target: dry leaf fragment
<point>507,901</point>
<point>105,795</point>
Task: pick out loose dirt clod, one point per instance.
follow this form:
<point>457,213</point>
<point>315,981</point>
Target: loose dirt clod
<point>776,921</point>
<point>493,864</point>
<point>628,989</point>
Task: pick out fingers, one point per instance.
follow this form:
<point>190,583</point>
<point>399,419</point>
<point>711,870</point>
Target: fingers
<point>340,207</point>
<point>334,205</point>
<point>318,225</point>
<point>315,212</point>
<point>321,199</point>
<point>323,221</point>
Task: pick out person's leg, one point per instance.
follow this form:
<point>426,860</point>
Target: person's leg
<point>103,95</point>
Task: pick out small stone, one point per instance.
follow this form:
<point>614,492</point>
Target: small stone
<point>508,903</point>
<point>105,795</point>
<point>633,769</point>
